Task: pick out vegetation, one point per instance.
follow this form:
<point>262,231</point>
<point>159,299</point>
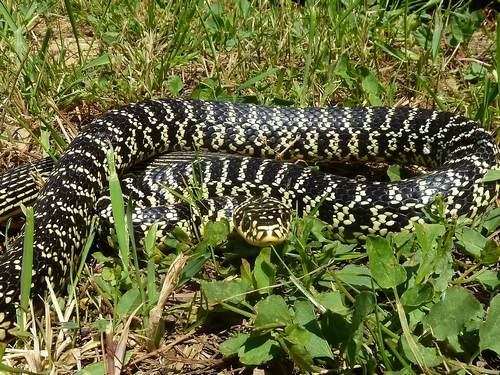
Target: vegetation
<point>411,303</point>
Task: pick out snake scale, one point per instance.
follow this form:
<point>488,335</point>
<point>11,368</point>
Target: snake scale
<point>459,150</point>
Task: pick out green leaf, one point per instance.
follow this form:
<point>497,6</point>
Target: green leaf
<point>101,324</point>
<point>174,84</point>
<point>259,349</point>
<point>297,334</point>
<point>423,36</point>
<point>228,291</point>
<point>257,78</point>
<point>363,306</point>
<point>128,302</point>
<point>192,267</point>
<point>427,235</point>
<point>472,241</point>
<point>357,276</point>
<point>492,175</point>
<point>271,313</point>
<point>492,221</point>
<point>430,356</point>
<point>98,368</point>
<point>232,345</point>
<point>371,86</point>
<point>305,316</point>
<point>418,295</point>
<point>206,90</point>
<point>101,60</point>
<point>394,172</point>
<point>264,271</point>
<point>246,272</point>
<point>109,37</point>
<point>489,279</point>
<point>334,301</point>
<point>490,255</point>
<point>299,354</point>
<point>216,233</point>
<point>448,317</point>
<point>489,332</point>
<point>101,257</point>
<point>385,269</point>
<point>176,236</point>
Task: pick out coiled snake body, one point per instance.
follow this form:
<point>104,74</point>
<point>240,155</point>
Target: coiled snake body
<point>458,148</point>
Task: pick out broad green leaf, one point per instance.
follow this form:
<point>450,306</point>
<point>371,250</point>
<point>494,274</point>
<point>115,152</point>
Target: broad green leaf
<point>334,302</point>
<point>492,175</point>
<point>385,269</point>
<point>175,236</point>
<point>489,332</point>
<point>299,354</point>
<point>404,243</point>
<point>489,279</point>
<point>423,35</point>
<point>371,86</point>
<point>415,317</point>
<point>129,302</point>
<point>259,349</point>
<point>264,271</point>
<point>296,333</point>
<point>271,313</point>
<point>359,277</point>
<point>394,172</point>
<point>427,235</point>
<point>317,345</point>
<point>472,241</point>
<point>228,291</point>
<point>442,280</point>
<point>99,368</point>
<point>101,257</point>
<point>206,89</point>
<point>490,255</point>
<point>448,317</point>
<point>232,345</point>
<point>101,324</point>
<point>492,221</point>
<point>174,84</point>
<point>216,233</point>
<point>246,271</point>
<point>418,295</point>
<point>109,37</point>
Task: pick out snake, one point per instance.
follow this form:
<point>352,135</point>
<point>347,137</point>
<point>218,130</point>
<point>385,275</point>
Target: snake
<point>458,151</point>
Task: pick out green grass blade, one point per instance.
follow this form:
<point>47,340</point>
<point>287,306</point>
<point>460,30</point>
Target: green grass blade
<point>118,209</point>
<point>72,21</point>
<point>27,263</point>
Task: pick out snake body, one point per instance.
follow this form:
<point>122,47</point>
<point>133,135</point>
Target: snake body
<point>459,150</point>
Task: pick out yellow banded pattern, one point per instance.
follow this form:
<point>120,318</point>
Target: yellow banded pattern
<point>458,148</point>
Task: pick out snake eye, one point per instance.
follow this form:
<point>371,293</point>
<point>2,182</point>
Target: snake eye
<point>245,223</point>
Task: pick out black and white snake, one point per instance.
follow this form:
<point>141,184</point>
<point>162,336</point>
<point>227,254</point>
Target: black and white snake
<point>459,150</point>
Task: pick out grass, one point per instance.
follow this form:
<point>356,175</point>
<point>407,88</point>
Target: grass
<point>427,304</point>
